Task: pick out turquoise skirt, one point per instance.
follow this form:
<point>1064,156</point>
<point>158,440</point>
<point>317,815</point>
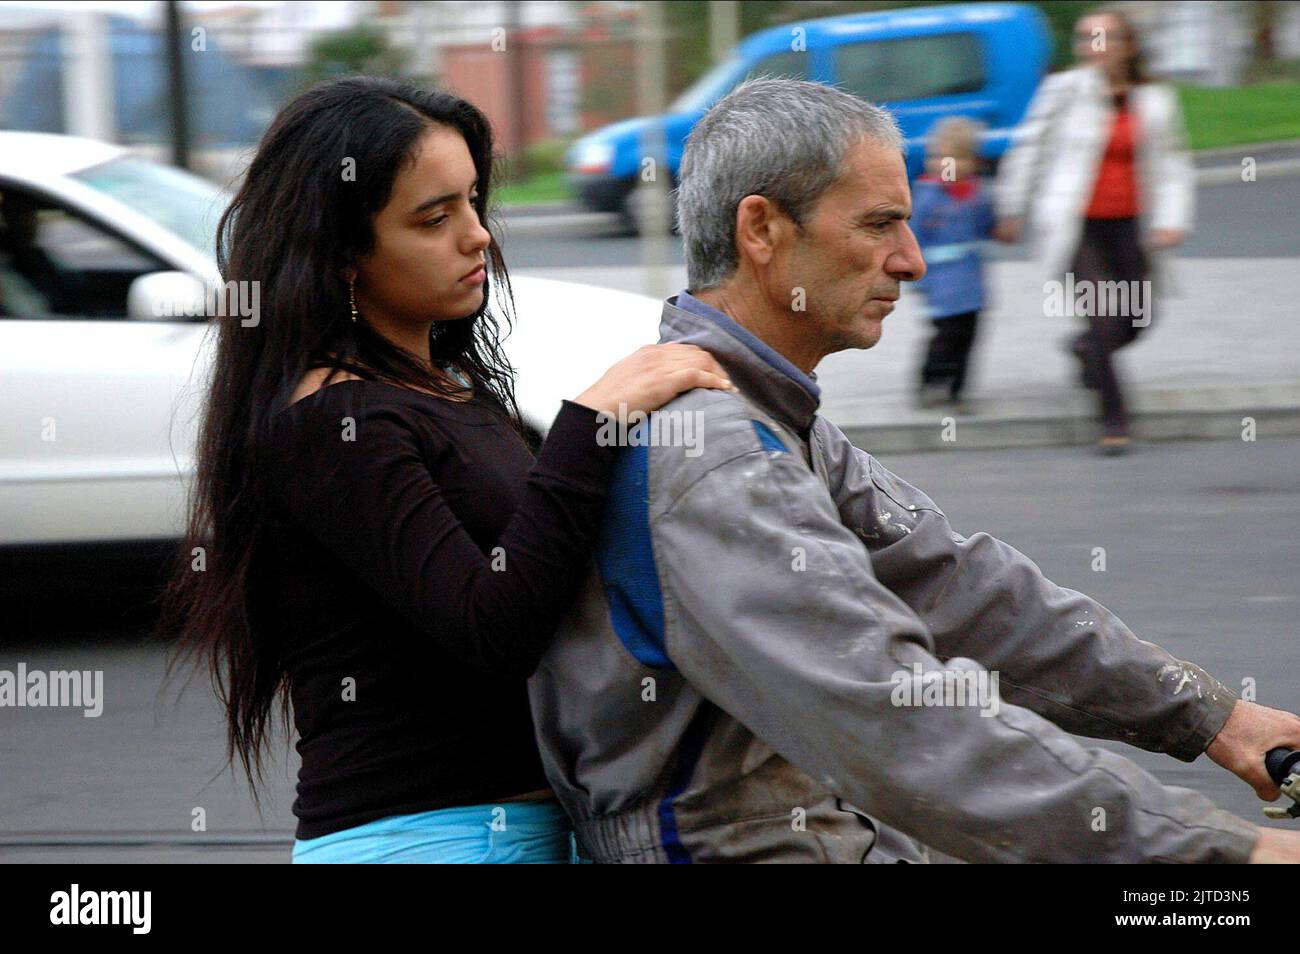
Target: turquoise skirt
<point>526,833</point>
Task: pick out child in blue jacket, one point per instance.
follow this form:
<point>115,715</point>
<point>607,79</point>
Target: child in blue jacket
<point>952,213</point>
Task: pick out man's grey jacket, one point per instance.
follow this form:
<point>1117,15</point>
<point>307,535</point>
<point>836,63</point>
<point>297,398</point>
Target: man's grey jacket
<point>733,684</point>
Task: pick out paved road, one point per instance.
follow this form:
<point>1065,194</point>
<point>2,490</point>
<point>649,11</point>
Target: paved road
<point>1202,543</point>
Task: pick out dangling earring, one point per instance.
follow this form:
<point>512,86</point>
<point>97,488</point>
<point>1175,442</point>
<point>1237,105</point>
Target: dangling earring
<point>352,298</point>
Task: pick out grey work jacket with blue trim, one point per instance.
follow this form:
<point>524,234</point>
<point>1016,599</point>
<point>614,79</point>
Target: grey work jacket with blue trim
<point>731,685</point>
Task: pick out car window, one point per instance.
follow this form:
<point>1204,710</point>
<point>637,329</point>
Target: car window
<point>918,67</point>
<point>54,264</point>
<point>174,198</point>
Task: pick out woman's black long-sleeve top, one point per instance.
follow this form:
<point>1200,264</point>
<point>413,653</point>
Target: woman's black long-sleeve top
<point>419,567</point>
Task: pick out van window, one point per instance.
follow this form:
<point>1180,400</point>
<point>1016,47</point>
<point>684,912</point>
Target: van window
<point>789,65</point>
<point>915,67</point>
<point>708,88</point>
<point>720,80</point>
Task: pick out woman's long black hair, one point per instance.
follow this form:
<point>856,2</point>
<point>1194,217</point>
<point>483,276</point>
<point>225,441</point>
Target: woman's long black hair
<point>305,211</point>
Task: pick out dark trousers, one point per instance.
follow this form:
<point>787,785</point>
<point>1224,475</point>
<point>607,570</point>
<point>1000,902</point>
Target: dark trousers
<point>948,354</point>
<point>1109,251</point>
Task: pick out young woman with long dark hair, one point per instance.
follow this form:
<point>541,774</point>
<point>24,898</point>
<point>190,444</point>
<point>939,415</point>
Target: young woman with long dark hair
<point>380,553</point>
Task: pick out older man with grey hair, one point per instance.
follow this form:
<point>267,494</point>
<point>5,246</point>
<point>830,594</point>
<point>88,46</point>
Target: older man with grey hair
<point>784,652</point>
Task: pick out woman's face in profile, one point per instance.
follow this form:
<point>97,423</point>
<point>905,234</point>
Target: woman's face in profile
<point>427,238</point>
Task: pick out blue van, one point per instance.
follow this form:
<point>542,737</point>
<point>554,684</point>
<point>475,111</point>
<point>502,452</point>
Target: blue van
<point>980,60</point>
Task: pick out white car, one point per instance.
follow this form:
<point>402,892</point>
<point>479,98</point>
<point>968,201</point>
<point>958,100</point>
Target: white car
<point>99,399</point>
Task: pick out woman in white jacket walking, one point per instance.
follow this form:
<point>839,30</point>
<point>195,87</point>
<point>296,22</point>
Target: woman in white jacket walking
<point>1100,166</point>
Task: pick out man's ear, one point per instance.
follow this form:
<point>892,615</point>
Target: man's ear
<point>760,228</point>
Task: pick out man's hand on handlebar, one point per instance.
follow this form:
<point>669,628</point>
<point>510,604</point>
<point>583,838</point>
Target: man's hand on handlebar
<point>1249,734</point>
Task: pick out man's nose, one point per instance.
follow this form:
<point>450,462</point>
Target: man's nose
<point>906,263</point>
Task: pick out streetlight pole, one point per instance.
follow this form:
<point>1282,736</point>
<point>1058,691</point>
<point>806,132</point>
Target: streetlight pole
<point>175,40</point>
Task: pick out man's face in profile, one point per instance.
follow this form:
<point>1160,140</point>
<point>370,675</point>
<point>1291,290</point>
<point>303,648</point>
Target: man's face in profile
<point>854,251</point>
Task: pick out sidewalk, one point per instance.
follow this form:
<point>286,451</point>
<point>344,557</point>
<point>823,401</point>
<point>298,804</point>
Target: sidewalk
<point>1227,347</point>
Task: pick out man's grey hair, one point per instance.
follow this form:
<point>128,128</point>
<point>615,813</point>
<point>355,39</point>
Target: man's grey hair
<point>784,139</point>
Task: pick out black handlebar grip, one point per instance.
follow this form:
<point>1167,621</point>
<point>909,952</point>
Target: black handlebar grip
<point>1280,763</point>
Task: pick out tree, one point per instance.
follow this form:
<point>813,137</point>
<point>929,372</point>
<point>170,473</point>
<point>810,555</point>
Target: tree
<point>357,49</point>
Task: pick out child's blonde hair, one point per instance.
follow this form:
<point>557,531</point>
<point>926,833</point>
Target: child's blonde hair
<point>954,136</point>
